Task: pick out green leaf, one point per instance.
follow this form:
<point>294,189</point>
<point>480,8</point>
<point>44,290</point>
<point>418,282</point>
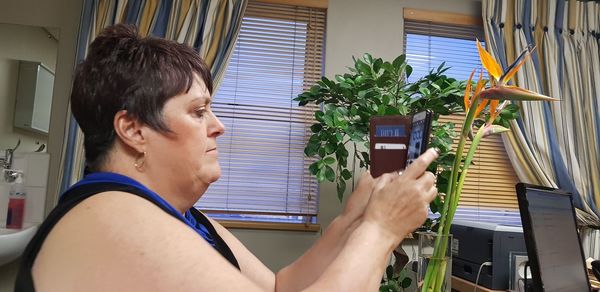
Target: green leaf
<point>314,168</point>
<point>328,119</point>
<point>424,91</point>
<point>321,175</point>
<point>329,160</point>
<point>319,116</point>
<point>341,188</point>
<point>377,65</point>
<point>436,205</point>
<point>386,99</point>
<point>316,128</point>
<point>346,174</point>
<point>329,173</point>
<point>311,149</point>
<point>362,67</point>
<point>399,61</point>
<point>381,110</point>
<point>330,148</point>
<point>409,71</point>
<point>365,156</point>
<point>322,152</point>
<point>389,272</point>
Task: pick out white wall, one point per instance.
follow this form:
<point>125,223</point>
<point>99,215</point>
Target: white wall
<point>64,15</point>
<point>20,42</point>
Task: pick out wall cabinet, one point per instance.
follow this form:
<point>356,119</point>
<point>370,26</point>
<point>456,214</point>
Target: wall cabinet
<point>34,97</point>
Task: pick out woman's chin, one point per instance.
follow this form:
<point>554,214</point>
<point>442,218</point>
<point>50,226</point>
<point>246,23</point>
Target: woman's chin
<point>215,175</point>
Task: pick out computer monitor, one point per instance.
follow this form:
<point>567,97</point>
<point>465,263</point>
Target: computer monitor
<point>553,245</point>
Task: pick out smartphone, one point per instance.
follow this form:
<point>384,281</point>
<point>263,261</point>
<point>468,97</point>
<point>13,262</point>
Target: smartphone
<point>419,135</point>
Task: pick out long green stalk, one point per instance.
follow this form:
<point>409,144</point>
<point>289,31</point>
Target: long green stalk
<point>440,276</point>
<point>440,245</point>
<point>463,175</point>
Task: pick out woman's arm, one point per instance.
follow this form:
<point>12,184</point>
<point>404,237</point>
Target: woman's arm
<point>355,259</point>
<point>314,261</point>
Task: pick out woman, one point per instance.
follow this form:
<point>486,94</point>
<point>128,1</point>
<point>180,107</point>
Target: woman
<point>150,139</point>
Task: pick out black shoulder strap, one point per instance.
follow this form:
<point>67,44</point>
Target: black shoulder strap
<point>220,245</point>
<point>24,281</point>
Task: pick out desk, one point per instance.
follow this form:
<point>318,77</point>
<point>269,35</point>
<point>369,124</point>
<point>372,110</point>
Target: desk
<point>462,285</point>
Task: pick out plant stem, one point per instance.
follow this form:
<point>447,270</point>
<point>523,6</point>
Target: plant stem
<point>353,167</point>
<point>441,275</point>
<point>463,175</point>
<point>432,275</point>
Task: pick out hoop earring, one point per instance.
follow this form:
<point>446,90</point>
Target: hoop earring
<point>139,162</point>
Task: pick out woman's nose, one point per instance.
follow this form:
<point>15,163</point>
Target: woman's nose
<point>216,128</point>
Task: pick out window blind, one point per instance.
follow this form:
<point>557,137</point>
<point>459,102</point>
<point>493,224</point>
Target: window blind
<point>265,177</point>
<point>489,190</point>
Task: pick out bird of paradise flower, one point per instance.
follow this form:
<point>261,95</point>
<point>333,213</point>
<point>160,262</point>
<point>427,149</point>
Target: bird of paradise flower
<point>476,100</point>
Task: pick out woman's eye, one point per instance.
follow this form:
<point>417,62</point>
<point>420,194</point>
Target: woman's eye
<point>200,112</point>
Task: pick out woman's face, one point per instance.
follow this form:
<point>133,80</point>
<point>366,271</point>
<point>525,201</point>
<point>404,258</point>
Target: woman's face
<point>187,157</point>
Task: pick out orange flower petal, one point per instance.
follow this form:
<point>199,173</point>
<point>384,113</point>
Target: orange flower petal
<point>480,85</point>
<point>488,62</point>
<point>493,106</point>
<point>481,107</point>
<point>468,91</point>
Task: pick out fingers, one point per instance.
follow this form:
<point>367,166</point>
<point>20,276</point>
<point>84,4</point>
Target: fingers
<point>431,194</point>
<point>427,182</point>
<point>383,180</point>
<point>365,180</point>
<point>417,168</point>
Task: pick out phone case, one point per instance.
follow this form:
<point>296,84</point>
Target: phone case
<point>419,135</point>
<point>389,137</point>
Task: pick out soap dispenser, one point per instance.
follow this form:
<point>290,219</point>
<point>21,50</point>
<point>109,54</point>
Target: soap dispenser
<point>16,203</point>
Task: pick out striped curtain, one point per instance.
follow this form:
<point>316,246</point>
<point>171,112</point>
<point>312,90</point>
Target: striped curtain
<point>210,26</point>
<point>554,144</point>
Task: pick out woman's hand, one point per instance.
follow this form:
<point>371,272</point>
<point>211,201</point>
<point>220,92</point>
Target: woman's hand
<point>358,200</point>
<point>400,203</point>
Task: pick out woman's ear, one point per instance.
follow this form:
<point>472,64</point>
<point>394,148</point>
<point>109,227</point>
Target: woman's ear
<point>129,130</point>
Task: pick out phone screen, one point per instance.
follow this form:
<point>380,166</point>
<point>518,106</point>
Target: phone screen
<point>419,135</point>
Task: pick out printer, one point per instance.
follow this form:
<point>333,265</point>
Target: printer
<point>474,243</point>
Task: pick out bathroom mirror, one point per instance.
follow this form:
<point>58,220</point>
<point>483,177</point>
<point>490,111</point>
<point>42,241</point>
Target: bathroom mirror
<point>27,65</point>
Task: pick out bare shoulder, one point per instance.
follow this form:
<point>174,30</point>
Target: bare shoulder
<point>119,241</point>
<point>250,265</point>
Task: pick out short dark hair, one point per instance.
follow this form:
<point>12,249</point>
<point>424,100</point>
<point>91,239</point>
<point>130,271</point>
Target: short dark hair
<point>123,71</point>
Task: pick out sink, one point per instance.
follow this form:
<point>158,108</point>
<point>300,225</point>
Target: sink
<point>14,241</point>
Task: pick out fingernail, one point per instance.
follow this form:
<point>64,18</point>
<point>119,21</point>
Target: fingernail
<point>437,150</point>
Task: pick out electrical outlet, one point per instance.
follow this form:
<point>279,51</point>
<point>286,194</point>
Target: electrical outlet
<point>517,270</point>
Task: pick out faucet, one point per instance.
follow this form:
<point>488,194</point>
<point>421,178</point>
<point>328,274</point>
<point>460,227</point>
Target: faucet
<point>6,163</point>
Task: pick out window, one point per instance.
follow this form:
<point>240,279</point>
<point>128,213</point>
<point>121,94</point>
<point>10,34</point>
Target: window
<point>489,190</point>
<point>265,175</point>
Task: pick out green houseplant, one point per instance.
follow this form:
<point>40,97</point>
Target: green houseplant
<point>373,86</point>
<point>340,137</point>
